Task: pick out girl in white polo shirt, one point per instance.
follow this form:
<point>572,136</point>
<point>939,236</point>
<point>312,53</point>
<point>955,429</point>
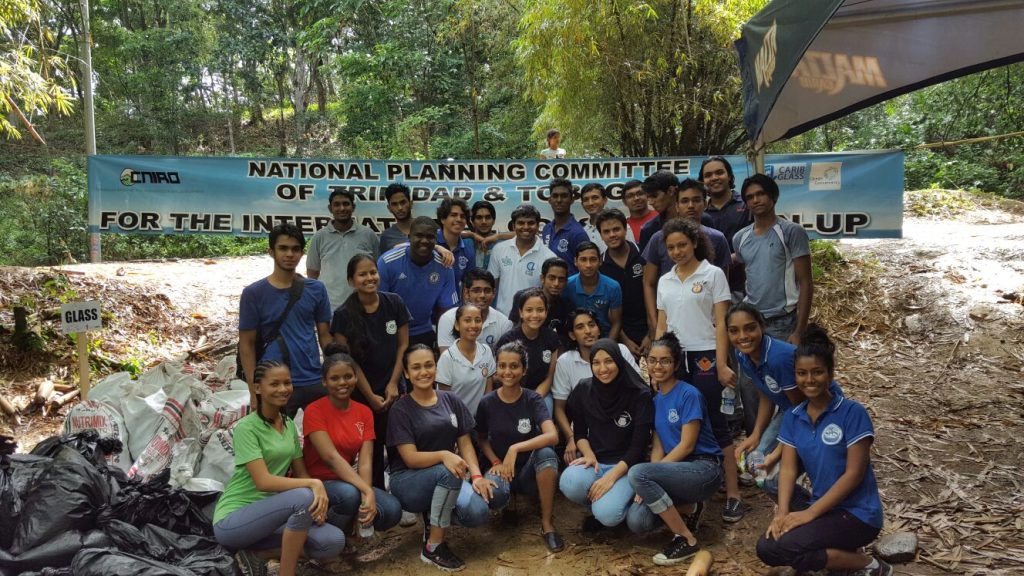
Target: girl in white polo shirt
<point>467,367</point>
<point>692,300</point>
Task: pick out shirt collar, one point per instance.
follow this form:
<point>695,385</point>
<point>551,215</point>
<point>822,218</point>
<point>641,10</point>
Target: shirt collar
<point>837,400</point>
<point>443,242</point>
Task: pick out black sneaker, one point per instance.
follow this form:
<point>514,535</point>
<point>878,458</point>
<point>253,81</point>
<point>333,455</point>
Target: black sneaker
<point>693,520</point>
<point>884,569</point>
<point>734,510</point>
<point>678,550</point>
<point>443,558</point>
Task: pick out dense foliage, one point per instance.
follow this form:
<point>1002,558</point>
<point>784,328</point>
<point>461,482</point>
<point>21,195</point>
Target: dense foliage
<point>417,79</point>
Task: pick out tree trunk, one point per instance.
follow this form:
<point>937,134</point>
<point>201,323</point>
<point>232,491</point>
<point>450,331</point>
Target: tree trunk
<point>300,98</point>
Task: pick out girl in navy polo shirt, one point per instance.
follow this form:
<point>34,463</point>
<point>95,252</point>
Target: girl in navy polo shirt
<point>686,461</point>
<point>541,342</point>
<point>831,436</point>
<point>517,436</point>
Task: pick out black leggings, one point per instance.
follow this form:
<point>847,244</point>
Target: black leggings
<point>380,429</point>
<point>804,547</point>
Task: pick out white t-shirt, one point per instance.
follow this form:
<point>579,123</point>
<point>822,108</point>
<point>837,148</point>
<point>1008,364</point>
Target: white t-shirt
<point>549,154</point>
<point>494,327</point>
<point>467,379</point>
<point>595,237</point>
<point>571,368</point>
<point>515,272</point>
<point>690,304</point>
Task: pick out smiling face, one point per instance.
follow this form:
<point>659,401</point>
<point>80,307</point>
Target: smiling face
<point>455,222</point>
<point>745,334</point>
<point>483,222</point>
<point>287,252</point>
<point>340,381</point>
<point>341,208</point>
<point>661,367</point>
<point>560,200</point>
<point>533,312</point>
<point>365,280</point>
<point>680,248</point>
<point>593,202</point>
<point>422,239</point>
<point>613,233</point>
<point>510,370</point>
<point>690,204</point>
<point>716,178</point>
<point>526,229</point>
<point>604,367</point>
<point>480,293</point>
<point>635,199</point>
<point>812,376</point>
<point>420,369</point>
<point>470,322</point>
<point>275,388</point>
<point>585,331</point>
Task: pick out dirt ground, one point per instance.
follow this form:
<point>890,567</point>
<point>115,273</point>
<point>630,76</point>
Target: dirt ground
<point>931,341</point>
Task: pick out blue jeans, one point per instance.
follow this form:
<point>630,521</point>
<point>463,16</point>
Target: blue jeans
<point>440,493</point>
<point>770,436</point>
<point>259,526</point>
<point>609,509</point>
<point>525,481</point>
<point>663,485</point>
<point>780,327</point>
<point>344,506</point>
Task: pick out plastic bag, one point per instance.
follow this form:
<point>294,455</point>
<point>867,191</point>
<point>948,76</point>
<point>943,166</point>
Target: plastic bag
<point>10,503</point>
<point>106,562</point>
<point>175,420</point>
<point>218,461</point>
<point>184,461</point>
<point>56,552</point>
<point>155,502</point>
<point>68,493</point>
<point>198,554</point>
<point>106,421</point>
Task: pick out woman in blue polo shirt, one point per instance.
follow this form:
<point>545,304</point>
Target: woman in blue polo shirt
<point>686,461</point>
<point>831,436</point>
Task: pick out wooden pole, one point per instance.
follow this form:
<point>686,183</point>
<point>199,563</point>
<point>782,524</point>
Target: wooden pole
<point>83,364</point>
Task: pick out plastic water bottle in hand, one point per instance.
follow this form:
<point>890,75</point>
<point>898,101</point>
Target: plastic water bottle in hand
<point>365,530</point>
<point>755,465</point>
<point>728,401</point>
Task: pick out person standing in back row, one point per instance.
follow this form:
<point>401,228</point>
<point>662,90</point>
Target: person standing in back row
<point>335,244</point>
<point>726,210</point>
<point>563,234</point>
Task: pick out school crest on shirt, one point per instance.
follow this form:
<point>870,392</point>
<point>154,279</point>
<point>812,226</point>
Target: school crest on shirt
<point>546,357</point>
<point>623,420</point>
<point>463,262</point>
<point>563,245</point>
<point>832,434</point>
<point>530,267</point>
<point>506,261</point>
<point>697,287</point>
<point>771,383</point>
<point>361,429</point>
<point>673,416</point>
<point>638,270</point>
<point>455,420</point>
<point>434,278</point>
<point>484,369</point>
<point>524,426</point>
<point>391,327</point>
<point>705,364</point>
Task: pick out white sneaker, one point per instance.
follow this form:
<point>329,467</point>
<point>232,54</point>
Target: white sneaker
<point>408,519</point>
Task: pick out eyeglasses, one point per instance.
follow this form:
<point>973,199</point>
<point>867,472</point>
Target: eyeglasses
<point>660,361</point>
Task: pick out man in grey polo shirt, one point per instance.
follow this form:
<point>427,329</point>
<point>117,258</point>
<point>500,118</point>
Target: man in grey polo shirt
<point>335,244</point>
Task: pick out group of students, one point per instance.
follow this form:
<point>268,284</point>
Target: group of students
<point>542,392</point>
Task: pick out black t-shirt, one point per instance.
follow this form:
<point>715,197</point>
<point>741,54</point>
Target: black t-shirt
<point>631,280</point>
<point>621,437</point>
<point>540,353</point>
<point>504,424</point>
<point>429,428</point>
<point>380,338</point>
<point>558,309</point>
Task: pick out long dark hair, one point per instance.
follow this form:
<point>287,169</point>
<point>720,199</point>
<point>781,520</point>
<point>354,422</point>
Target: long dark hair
<point>257,376</point>
<point>356,335</point>
<point>702,249</point>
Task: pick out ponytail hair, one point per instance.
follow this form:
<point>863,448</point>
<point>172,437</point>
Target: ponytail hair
<point>671,341</point>
<point>815,343</point>
<point>257,376</point>
<point>356,334</point>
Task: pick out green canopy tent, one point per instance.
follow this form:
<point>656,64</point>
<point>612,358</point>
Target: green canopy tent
<point>807,62</point>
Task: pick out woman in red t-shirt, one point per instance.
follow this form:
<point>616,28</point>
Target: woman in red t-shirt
<point>339,448</point>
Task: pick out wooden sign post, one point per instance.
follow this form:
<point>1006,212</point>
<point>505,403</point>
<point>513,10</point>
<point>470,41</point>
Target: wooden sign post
<point>78,318</point>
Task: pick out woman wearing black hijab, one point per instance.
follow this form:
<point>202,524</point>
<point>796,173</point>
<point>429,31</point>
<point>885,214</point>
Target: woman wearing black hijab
<point>611,415</point>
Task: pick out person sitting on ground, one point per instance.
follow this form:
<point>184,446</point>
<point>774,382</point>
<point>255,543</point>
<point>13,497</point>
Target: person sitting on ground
<point>434,468</point>
<point>573,367</point>
<point>686,461</point>
<point>517,436</point>
<point>263,508</point>
<point>831,437</point>
<point>611,414</point>
<point>541,343</point>
<point>467,366</point>
<point>554,276</point>
<point>339,432</point>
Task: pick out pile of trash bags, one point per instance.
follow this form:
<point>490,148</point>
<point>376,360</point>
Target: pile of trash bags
<point>67,511</point>
<point>168,418</point>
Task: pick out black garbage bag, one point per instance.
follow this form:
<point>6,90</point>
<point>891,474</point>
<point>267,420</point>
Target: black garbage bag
<point>155,502</point>
<point>87,443</point>
<point>65,571</point>
<point>56,552</point>
<point>67,493</point>
<point>198,554</point>
<point>10,503</point>
<point>110,562</point>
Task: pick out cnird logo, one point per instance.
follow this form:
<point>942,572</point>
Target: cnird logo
<point>130,177</point>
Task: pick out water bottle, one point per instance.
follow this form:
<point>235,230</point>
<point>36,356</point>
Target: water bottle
<point>755,466</point>
<point>728,401</point>
<point>365,530</point>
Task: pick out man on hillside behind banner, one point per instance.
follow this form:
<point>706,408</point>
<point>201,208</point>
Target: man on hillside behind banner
<point>416,273</point>
<point>335,244</point>
<point>563,233</point>
<point>304,331</point>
